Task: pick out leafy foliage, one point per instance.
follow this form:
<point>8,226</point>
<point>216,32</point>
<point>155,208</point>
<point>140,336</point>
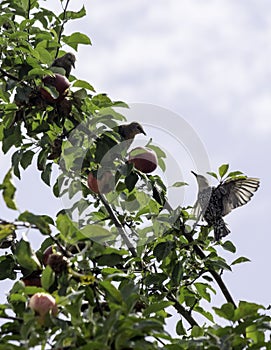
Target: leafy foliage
<point>108,297</point>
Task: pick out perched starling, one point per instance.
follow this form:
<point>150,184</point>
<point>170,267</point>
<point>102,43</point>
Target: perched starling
<point>215,202</point>
<point>129,131</point>
<point>108,140</point>
<point>66,62</point>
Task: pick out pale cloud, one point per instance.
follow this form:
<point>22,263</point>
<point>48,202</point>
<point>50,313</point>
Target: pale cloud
<point>215,53</point>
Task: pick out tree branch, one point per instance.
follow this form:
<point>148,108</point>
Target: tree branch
<point>181,310</point>
<point>201,254</point>
<point>119,226</point>
<point>216,276</point>
<point>12,77</point>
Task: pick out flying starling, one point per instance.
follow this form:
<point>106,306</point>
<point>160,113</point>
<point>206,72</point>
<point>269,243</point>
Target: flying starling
<point>66,62</point>
<point>215,202</point>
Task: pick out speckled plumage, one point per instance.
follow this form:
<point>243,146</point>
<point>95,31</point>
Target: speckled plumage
<point>216,202</point>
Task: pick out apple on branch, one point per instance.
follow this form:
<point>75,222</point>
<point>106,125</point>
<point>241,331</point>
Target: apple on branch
<point>55,87</point>
<point>144,159</point>
<point>43,304</point>
<point>101,181</point>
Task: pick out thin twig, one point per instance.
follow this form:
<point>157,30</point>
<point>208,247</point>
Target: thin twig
<point>118,225</point>
<point>62,26</point>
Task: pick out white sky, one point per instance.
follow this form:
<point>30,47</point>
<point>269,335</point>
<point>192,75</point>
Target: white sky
<point>208,62</point>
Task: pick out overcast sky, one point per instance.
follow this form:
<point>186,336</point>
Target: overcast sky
<point>207,62</point>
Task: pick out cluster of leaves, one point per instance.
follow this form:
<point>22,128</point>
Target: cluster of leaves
<point>108,297</point>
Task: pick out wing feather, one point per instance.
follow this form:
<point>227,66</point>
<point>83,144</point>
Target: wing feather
<point>236,192</point>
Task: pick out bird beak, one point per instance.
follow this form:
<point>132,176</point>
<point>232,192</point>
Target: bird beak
<point>73,64</point>
<point>194,173</point>
<point>143,132</point>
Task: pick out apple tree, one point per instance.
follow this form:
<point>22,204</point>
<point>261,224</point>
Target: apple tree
<point>118,259</point>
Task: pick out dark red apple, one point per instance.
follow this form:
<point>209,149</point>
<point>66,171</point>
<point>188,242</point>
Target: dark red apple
<point>33,279</point>
<point>144,159</point>
<point>103,182</point>
<point>58,82</point>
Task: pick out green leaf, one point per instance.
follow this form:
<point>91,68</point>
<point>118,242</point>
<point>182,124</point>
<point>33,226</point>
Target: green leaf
<point>47,278</point>
<point>72,14</point>
<point>180,330</point>
<point>112,292</point>
<point>26,257</point>
<point>234,174</point>
<point>7,267</point>
<point>219,264</point>
<point>44,55</point>
<point>8,191</point>
<point>42,159</point>
<point>240,260</point>
<point>162,164</point>
<point>15,161</point>
<point>131,180</point>
<point>1,131</point>
<point>254,334</point>
<point>83,84</point>
<point>26,159</point>
<point>109,259</point>
<point>12,137</point>
<point>203,312</point>
<point>229,246</point>
<point>46,174</point>
<point>69,231</point>
<point>202,290</point>
<point>6,230</point>
<point>226,311</point>
<point>163,249</point>
<point>101,101</point>
<point>30,290</point>
<point>212,174</point>
<point>179,184</point>
<point>96,233</point>
<point>223,169</point>
<point>197,331</point>
<point>158,151</point>
<point>246,309</point>
<point>155,279</point>
<point>40,221</point>
<point>155,307</point>
<point>177,274</point>
<point>39,72</point>
<point>75,39</point>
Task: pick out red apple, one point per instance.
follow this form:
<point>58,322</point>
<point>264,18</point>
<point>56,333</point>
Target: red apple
<point>144,159</point>
<point>33,279</point>
<point>103,182</point>
<point>42,304</point>
<point>57,81</point>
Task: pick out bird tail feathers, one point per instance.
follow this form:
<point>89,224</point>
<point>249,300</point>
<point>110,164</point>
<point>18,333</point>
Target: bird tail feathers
<point>220,229</point>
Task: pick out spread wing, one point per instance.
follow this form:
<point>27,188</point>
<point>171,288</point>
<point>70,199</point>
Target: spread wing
<point>236,192</point>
